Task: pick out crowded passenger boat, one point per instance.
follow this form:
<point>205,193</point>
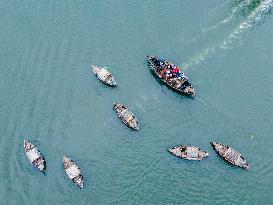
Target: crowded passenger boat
<point>73,171</point>
<point>34,156</point>
<point>126,116</point>
<point>188,152</point>
<point>104,75</point>
<point>171,75</point>
<point>230,155</point>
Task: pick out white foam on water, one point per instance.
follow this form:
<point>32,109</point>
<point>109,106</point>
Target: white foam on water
<point>228,19</point>
<point>202,101</point>
<point>253,18</point>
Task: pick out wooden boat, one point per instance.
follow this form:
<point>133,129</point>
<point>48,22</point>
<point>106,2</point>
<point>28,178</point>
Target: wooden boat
<point>188,152</point>
<point>34,156</point>
<point>230,155</point>
<point>170,75</point>
<point>126,116</point>
<point>73,171</point>
<point>104,75</point>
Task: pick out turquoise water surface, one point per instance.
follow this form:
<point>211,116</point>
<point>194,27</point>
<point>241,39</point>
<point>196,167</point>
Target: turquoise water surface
<point>50,97</point>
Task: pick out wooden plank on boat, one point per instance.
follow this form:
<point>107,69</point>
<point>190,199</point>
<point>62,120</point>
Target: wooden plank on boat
<point>34,156</point>
<point>230,155</point>
<point>188,152</point>
<point>126,116</point>
<point>171,75</point>
<point>73,171</point>
<point>104,75</point>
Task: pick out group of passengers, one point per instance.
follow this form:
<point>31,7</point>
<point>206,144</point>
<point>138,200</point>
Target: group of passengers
<point>173,75</point>
<point>170,72</point>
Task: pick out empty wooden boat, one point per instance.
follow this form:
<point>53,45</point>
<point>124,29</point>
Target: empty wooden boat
<point>104,75</point>
<point>188,152</point>
<point>126,116</point>
<point>230,155</point>
<point>34,156</point>
<point>73,171</point>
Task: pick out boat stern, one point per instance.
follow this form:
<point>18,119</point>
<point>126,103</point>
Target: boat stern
<point>81,185</point>
<point>190,91</point>
<point>172,150</point>
<point>79,182</point>
<point>246,166</point>
<point>213,144</point>
<point>193,92</point>
<point>135,127</point>
<point>112,82</point>
<point>42,167</point>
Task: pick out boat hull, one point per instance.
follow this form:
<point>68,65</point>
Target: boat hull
<point>188,152</point>
<point>73,171</point>
<point>230,155</point>
<point>126,116</point>
<point>187,90</point>
<point>34,156</point>
<point>104,76</point>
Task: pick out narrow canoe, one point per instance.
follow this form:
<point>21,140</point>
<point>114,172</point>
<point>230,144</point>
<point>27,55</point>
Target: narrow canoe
<point>73,171</point>
<point>188,152</point>
<point>34,156</point>
<point>126,116</point>
<point>230,155</point>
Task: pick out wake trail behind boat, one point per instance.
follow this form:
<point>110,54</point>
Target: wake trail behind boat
<point>228,19</point>
<point>202,101</point>
<point>255,17</point>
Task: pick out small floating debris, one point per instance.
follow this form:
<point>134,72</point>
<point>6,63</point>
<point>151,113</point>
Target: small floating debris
<point>188,152</point>
<point>34,156</point>
<point>104,75</point>
<point>73,171</point>
<point>171,75</point>
<point>126,116</point>
<point>230,155</point>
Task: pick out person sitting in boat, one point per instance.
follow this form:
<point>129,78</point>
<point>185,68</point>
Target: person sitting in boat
<point>156,62</point>
<point>168,74</point>
<point>171,66</point>
<point>161,62</point>
<point>163,73</point>
<point>184,152</point>
<point>184,76</point>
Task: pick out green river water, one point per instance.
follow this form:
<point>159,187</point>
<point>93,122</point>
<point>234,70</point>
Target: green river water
<point>50,97</point>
